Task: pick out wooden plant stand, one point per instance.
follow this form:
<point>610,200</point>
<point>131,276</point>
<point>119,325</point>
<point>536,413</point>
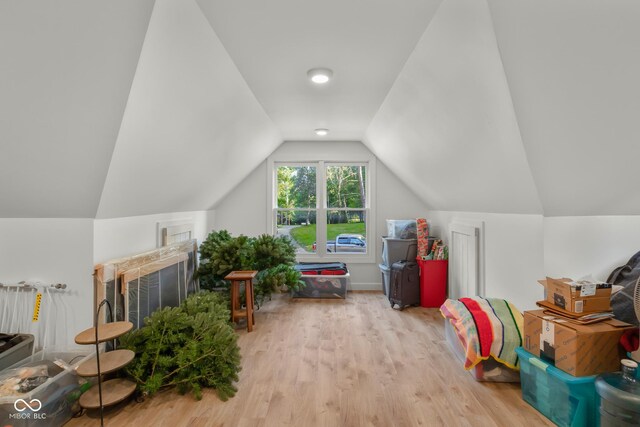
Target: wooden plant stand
<point>237,277</point>
<point>112,391</point>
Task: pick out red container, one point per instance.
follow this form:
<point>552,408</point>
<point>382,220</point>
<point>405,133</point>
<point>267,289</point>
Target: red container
<point>433,282</point>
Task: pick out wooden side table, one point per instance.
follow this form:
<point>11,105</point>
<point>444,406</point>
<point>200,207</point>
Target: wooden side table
<point>237,277</point>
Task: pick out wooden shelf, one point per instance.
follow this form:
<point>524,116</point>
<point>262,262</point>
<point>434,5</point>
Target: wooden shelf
<point>106,332</point>
<point>113,391</point>
<point>109,362</point>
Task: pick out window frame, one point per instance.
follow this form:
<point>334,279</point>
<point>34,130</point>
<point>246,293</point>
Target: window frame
<point>321,209</point>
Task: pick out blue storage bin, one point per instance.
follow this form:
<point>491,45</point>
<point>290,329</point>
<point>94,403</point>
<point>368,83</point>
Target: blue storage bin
<point>566,400</point>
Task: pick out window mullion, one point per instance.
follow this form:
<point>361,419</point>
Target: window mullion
<point>321,217</point>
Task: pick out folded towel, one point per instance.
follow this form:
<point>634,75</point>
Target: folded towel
<point>486,327</point>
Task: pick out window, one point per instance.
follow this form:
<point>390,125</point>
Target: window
<point>296,205</point>
<point>175,231</point>
<point>324,207</point>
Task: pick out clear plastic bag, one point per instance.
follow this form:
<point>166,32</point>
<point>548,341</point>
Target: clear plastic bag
<point>19,381</point>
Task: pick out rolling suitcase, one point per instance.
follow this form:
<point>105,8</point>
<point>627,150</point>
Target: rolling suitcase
<point>405,284</point>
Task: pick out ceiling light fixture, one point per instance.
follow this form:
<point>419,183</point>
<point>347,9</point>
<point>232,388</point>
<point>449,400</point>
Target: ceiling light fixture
<point>320,75</point>
<point>321,132</point>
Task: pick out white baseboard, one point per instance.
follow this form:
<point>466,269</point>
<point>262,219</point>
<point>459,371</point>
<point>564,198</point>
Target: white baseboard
<point>365,287</point>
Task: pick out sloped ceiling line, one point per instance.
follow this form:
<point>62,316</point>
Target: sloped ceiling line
<point>274,43</point>
<point>572,68</point>
<point>192,129</point>
<point>447,127</point>
<point>501,107</point>
<point>95,215</point>
<point>65,77</point>
<point>512,106</point>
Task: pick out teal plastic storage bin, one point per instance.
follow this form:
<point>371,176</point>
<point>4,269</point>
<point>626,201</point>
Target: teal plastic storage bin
<point>566,400</point>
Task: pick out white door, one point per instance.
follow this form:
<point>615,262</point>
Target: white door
<point>464,266</point>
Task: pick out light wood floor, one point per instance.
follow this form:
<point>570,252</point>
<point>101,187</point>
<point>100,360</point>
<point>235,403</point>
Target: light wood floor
<point>353,362</point>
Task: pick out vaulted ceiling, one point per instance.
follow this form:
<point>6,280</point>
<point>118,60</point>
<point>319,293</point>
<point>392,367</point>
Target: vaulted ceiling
<point>365,43</point>
<point>118,108</point>
<point>572,69</point>
<point>66,69</point>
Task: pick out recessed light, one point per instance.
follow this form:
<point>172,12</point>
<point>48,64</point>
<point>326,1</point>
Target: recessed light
<point>320,75</point>
<point>321,132</point>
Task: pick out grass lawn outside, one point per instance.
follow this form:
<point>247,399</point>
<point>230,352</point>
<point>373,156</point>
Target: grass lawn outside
<point>305,235</point>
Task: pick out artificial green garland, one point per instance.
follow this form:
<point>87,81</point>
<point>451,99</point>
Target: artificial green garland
<point>189,347</point>
<point>272,256</point>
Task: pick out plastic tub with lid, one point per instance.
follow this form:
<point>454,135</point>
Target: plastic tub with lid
<point>619,397</point>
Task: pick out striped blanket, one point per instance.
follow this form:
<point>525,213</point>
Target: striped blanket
<point>486,327</point>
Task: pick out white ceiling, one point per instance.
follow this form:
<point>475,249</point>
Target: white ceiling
<point>447,127</point>
<point>365,42</point>
<point>574,72</point>
<point>192,129</point>
<point>559,135</point>
<point>65,72</point>
<point>118,108</point>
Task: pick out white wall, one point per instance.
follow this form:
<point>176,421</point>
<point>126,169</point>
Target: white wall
<point>513,248</point>
<point>211,219</point>
<point>62,250</point>
<point>577,246</point>
<point>519,249</point>
<point>52,251</point>
<point>119,237</point>
<point>244,210</point>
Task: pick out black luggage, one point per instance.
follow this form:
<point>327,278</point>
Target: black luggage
<point>405,284</point>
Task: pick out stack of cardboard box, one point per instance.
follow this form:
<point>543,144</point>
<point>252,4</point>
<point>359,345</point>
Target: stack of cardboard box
<point>573,299</point>
<point>575,328</point>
